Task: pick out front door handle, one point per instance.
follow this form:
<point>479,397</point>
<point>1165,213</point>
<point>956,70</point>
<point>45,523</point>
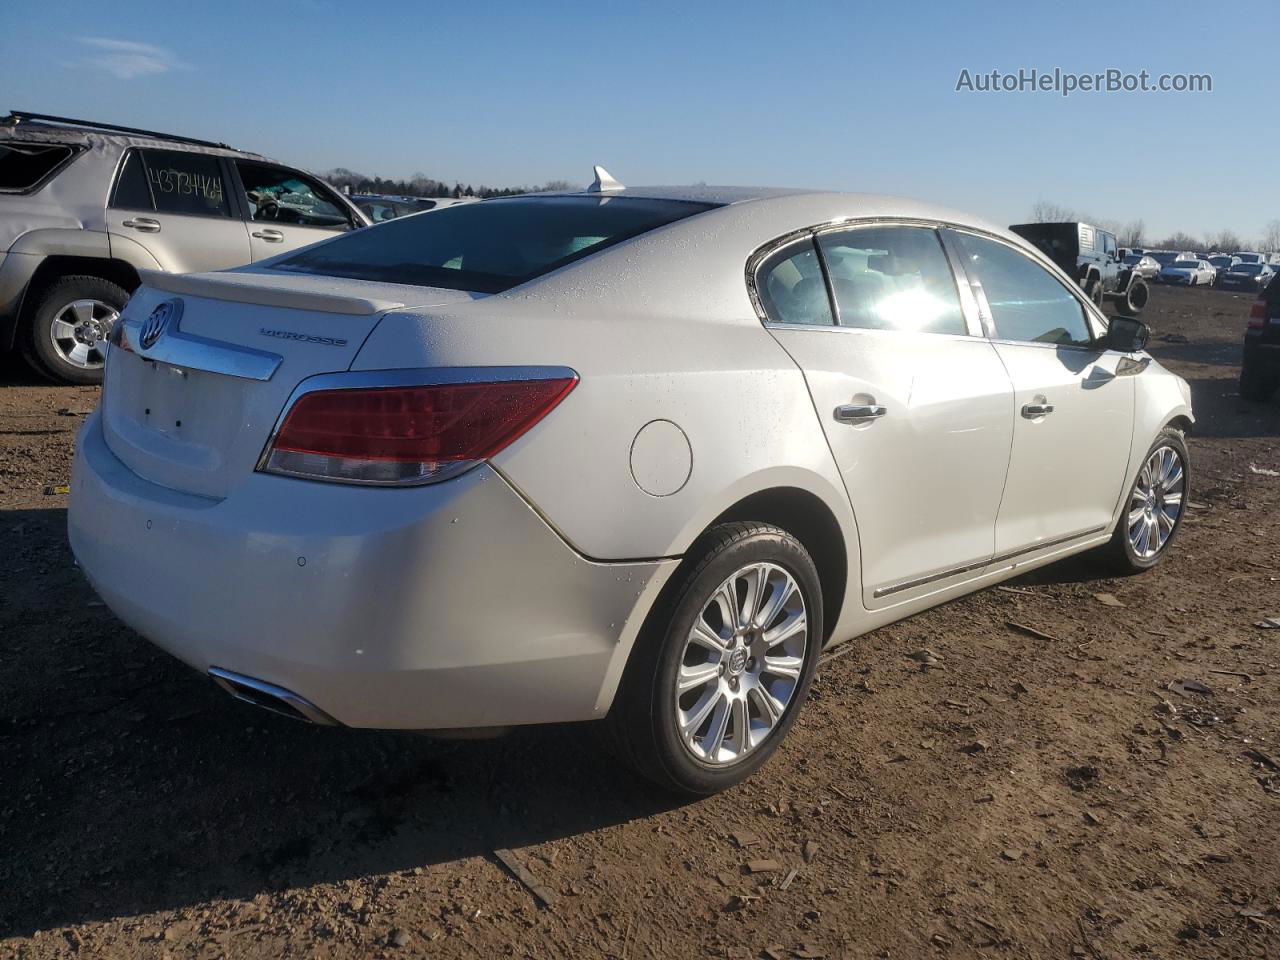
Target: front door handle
<point>858,412</point>
<point>143,224</point>
<point>1034,411</point>
<point>271,236</point>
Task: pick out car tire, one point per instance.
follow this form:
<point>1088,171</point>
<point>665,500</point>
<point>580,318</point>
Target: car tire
<point>84,307</point>
<point>1254,385</point>
<point>1095,293</point>
<point>648,712</point>
<point>1127,553</point>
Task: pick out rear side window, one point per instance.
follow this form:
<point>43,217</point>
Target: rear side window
<point>491,246</point>
<point>132,191</point>
<point>1027,302</point>
<point>186,183</point>
<point>24,166</point>
<point>791,288</point>
<point>892,278</point>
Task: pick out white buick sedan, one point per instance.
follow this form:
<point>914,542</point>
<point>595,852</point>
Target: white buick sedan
<point>640,454</point>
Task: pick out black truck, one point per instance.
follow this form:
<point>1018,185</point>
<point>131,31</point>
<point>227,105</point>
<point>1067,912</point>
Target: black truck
<point>1092,256</point>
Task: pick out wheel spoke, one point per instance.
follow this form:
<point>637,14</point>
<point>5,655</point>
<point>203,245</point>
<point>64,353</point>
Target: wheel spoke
<point>738,740</point>
<point>78,354</point>
<point>788,667</point>
<point>727,599</point>
<point>1174,477</point>
<point>784,631</point>
<point>83,309</point>
<point>62,330</point>
<point>692,720</point>
<point>719,725</point>
<point>782,592</point>
<point>755,581</point>
<point>703,636</point>
<point>1135,516</point>
<point>696,676</point>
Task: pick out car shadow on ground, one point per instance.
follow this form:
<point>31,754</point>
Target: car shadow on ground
<point>1221,412</point>
<point>132,785</point>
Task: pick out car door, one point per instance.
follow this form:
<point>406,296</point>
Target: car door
<point>288,209</point>
<point>915,402</point>
<point>175,203</point>
<point>1074,412</point>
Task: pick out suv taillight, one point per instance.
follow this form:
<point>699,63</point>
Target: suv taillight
<point>1258,314</point>
<point>407,435</point>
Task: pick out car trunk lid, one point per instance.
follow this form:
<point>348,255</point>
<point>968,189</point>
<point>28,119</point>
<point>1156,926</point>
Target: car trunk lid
<point>193,408</point>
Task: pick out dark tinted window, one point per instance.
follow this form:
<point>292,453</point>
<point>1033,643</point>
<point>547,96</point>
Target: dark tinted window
<point>491,246</point>
<point>790,286</point>
<point>281,195</point>
<point>132,191</point>
<point>189,183</point>
<point>23,165</point>
<point>1027,302</point>
<point>892,278</point>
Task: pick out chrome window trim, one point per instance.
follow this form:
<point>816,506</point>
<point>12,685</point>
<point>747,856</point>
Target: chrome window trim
<point>413,377</point>
<point>766,250</point>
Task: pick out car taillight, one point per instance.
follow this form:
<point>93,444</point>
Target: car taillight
<point>1258,314</point>
<point>407,435</point>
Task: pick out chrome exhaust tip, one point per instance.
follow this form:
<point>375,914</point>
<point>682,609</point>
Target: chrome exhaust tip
<point>270,697</point>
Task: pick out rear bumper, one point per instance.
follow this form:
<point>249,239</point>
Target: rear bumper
<point>436,607</point>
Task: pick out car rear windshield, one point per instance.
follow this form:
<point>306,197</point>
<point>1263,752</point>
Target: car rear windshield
<point>1252,269</point>
<point>491,246</point>
<point>1186,264</point>
<point>24,166</point>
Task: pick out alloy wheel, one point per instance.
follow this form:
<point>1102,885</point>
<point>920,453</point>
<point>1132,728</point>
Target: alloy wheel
<point>1156,502</point>
<point>79,332</point>
<point>741,664</point>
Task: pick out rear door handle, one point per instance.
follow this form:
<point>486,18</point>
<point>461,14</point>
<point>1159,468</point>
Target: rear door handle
<point>858,412</point>
<point>1033,411</point>
<point>143,224</point>
<point>271,236</point>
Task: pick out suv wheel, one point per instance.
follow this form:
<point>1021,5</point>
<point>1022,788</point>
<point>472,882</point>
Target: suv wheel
<point>719,674</point>
<point>67,335</point>
<point>1152,513</point>
<point>1133,300</point>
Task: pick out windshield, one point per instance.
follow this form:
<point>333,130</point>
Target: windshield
<point>489,247</point>
<point>1252,269</point>
<point>1250,257</point>
<point>1186,264</point>
<point>1221,261</point>
<point>1133,259</point>
<point>1165,258</point>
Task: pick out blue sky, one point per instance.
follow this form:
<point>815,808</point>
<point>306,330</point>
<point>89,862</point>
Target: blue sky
<point>848,96</point>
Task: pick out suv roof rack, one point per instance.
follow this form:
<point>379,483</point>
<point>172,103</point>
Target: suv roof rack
<point>17,116</point>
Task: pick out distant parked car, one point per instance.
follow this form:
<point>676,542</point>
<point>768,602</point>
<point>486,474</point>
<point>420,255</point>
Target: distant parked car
<point>85,206</point>
<point>1245,276</point>
<point>1166,257</point>
<point>1260,370</point>
<point>1223,262</point>
<point>1191,273</point>
<point>1146,267</point>
<point>1246,257</point>
<point>380,208</point>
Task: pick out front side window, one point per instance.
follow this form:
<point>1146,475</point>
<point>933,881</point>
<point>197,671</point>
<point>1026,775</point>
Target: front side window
<point>892,278</point>
<point>186,183</point>
<point>491,246</point>
<point>132,192</point>
<point>1027,302</point>
<point>791,288</point>
<point>279,195</point>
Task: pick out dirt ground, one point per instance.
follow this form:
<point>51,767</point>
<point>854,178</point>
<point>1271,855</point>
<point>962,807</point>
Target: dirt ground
<point>1050,794</point>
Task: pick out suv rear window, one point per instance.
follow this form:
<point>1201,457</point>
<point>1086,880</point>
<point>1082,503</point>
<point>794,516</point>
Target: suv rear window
<point>491,246</point>
<point>24,166</point>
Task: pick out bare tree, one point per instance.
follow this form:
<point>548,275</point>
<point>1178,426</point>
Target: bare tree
<point>1132,234</point>
<point>1225,241</point>
<point>1271,239</point>
<point>1045,212</point>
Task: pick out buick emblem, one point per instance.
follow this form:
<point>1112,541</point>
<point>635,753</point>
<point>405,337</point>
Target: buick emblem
<point>160,320</point>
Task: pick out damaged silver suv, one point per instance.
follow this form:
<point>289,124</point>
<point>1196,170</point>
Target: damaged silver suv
<point>86,207</point>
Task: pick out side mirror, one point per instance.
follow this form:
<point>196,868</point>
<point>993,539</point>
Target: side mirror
<point>1127,335</point>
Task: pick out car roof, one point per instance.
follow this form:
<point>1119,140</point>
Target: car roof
<point>46,132</point>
